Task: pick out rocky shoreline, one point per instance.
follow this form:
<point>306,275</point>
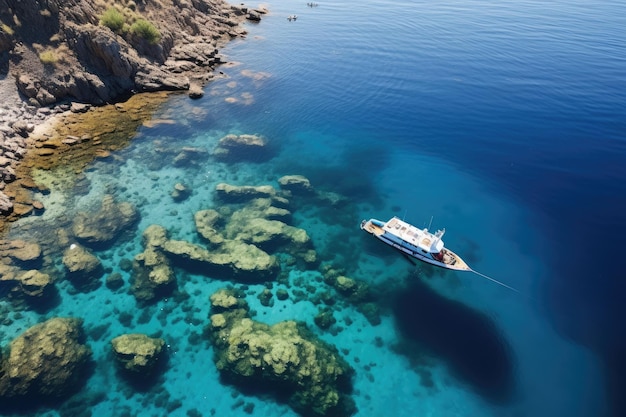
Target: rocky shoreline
<point>96,66</point>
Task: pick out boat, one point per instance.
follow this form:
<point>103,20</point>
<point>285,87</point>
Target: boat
<point>420,244</point>
<point>416,243</point>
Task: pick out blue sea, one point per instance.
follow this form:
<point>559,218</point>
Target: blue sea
<point>504,122</point>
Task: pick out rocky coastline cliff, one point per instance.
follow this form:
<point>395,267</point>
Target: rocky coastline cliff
<point>55,54</point>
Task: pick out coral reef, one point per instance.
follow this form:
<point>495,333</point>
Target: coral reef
<point>47,361</point>
<point>285,358</point>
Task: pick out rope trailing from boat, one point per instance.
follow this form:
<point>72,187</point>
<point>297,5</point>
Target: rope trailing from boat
<point>496,281</point>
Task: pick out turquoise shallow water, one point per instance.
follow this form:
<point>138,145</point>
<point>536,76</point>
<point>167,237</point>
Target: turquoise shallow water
<point>484,116</point>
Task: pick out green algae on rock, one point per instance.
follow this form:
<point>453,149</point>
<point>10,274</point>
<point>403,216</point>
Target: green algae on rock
<point>58,152</point>
<point>285,358</point>
<point>47,361</point>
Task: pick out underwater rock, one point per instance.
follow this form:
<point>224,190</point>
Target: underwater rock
<point>250,225</point>
<point>267,234</point>
<point>324,318</point>
<point>233,259</point>
<point>285,359</point>
<point>181,192</point>
<point>100,229</point>
<point>21,253</point>
<point>34,284</point>
<point>282,294</point>
<point>270,208</point>
<point>241,194</point>
<point>355,291</point>
<point>114,281</point>
<point>153,277</point>
<point>371,312</point>
<point>206,222</point>
<point>296,184</point>
<point>138,353</point>
<point>84,269</point>
<point>265,298</point>
<point>236,148</point>
<point>224,300</point>
<point>47,361</point>
<point>7,272</point>
<point>189,155</point>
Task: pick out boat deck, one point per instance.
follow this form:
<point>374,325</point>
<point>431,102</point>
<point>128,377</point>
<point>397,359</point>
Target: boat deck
<point>399,228</point>
<point>372,228</point>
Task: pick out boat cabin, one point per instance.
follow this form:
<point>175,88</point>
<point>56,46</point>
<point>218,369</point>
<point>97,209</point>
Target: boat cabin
<point>420,238</point>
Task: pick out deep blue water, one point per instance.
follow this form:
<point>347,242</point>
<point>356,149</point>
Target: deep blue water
<point>504,121</point>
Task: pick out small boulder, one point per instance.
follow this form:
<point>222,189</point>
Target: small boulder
<point>195,91</point>
<point>84,269</point>
<point>180,192</point>
<point>138,353</point>
<point>34,284</point>
<point>296,184</point>
<point>237,148</point>
<point>189,155</point>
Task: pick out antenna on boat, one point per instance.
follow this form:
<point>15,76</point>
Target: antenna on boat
<point>431,222</point>
<point>496,281</point>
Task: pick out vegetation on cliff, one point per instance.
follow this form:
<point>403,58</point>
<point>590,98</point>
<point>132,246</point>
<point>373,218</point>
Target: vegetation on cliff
<point>97,51</point>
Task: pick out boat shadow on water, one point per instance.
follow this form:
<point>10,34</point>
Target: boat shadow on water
<point>467,340</point>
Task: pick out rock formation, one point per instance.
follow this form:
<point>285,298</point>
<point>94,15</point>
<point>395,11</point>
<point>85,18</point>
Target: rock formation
<point>206,225</point>
<point>138,353</point>
<point>244,193</point>
<point>100,229</point>
<point>84,269</point>
<point>47,361</point>
<point>232,260</point>
<point>296,184</point>
<point>237,148</point>
<point>20,253</point>
<point>153,277</point>
<point>285,358</point>
<point>68,50</point>
<point>89,58</point>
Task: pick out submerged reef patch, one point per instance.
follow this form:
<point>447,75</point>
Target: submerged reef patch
<point>46,362</point>
<point>285,359</point>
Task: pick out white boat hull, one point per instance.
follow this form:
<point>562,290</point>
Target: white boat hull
<point>376,228</point>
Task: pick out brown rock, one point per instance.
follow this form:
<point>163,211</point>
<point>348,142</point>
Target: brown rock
<point>47,361</point>
<point>22,253</point>
<point>83,268</point>
<point>34,283</point>
<point>138,353</point>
